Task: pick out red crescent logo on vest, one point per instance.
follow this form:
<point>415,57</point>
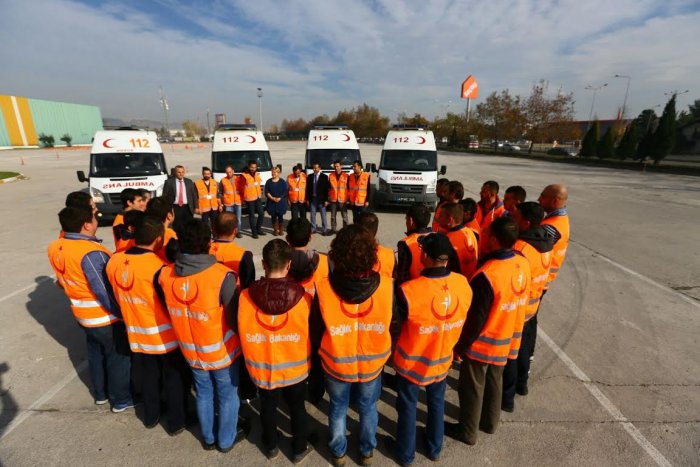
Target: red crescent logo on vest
<point>185,291</point>
<point>346,137</point>
<point>358,313</point>
<point>546,259</point>
<point>446,302</point>
<point>517,281</point>
<point>252,139</point>
<point>272,327</point>
<point>125,280</point>
<point>59,262</point>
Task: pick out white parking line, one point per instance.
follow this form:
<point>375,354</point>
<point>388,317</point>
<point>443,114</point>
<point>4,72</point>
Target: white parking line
<point>607,404</point>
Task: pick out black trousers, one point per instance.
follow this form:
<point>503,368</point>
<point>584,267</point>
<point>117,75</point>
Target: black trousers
<point>298,210</point>
<point>170,374</point>
<point>294,396</point>
<point>515,374</point>
<point>255,207</point>
<point>182,215</point>
<point>210,218</point>
<point>534,323</point>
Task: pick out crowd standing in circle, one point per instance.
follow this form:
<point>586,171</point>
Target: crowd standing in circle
<point>187,312</point>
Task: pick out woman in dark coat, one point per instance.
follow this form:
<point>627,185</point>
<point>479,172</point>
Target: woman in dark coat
<point>276,192</point>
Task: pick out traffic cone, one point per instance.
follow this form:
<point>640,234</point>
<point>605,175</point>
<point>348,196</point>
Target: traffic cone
<point>21,160</point>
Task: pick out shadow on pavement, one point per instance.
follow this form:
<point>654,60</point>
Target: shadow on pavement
<point>9,408</point>
<point>49,306</point>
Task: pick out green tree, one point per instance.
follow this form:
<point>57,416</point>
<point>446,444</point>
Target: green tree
<point>628,143</point>
<point>193,129</point>
<point>606,145</point>
<point>502,116</point>
<point>691,114</point>
<point>548,118</point>
<point>645,144</point>
<point>590,141</point>
<point>665,134</point>
<point>66,138</point>
<point>47,140</point>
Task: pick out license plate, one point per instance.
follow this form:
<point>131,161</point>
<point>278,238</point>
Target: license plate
<point>404,200</point>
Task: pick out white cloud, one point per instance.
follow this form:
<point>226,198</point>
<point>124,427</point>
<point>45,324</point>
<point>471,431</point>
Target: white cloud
<point>318,56</point>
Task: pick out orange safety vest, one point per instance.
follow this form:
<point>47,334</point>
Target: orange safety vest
<point>252,188</point>
<point>411,242</point>
<point>208,197</point>
<point>169,235</point>
<point>356,343</point>
<point>123,244</point>
<point>276,348</point>
<point>500,337</point>
<point>539,270</point>
<point>485,218</point>
<point>206,339</point>
<point>321,272</point>
<point>385,261</point>
<point>358,187</point>
<point>474,225</point>
<point>437,310</point>
<point>561,223</point>
<point>147,322</point>
<point>467,249</point>
<point>119,244</point>
<point>297,189</point>
<point>338,191</point>
<point>229,254</point>
<point>65,257</point>
<point>231,193</point>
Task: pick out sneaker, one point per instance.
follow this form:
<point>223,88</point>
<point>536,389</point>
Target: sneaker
<point>119,408</point>
<point>532,358</point>
<point>521,390</point>
<point>101,401</point>
<point>455,431</point>
<point>366,459</point>
<point>338,461</point>
<point>297,458</point>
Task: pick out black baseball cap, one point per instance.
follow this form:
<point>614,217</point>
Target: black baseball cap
<point>436,245</point>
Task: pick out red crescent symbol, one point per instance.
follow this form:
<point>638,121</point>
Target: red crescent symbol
<point>270,327</point>
<point>347,137</point>
<point>421,138</point>
<point>252,139</point>
<point>447,316</point>
<point>104,143</point>
<point>177,289</point>
<point>59,263</point>
<point>518,278</point>
<point>359,314</point>
<point>124,279</point>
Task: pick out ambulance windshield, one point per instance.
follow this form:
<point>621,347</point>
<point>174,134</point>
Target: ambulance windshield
<point>239,160</point>
<point>326,157</point>
<point>127,164</point>
<point>409,160</point>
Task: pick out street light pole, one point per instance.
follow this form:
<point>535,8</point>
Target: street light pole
<point>260,96</point>
<point>595,90</point>
<point>208,126</point>
<point>627,90</point>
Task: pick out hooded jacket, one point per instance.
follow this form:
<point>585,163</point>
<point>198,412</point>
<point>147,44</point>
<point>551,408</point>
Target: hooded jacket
<point>538,238</point>
<point>304,264</point>
<point>275,296</point>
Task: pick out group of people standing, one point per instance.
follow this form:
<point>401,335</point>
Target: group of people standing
<point>468,288</point>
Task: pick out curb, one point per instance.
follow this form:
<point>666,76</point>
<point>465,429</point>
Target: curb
<point>13,179</point>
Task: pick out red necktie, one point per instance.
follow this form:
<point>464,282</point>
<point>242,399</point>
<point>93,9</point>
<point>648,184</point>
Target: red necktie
<point>181,195</point>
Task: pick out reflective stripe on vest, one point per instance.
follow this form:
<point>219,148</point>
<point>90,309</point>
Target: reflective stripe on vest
<point>510,280</point>
<point>206,339</point>
<point>276,348</point>
<point>561,223</point>
<point>65,256</point>
<point>358,189</point>
<point>437,310</point>
<point>540,264</point>
<point>148,325</point>
<point>338,191</point>
<point>356,343</point>
<point>252,187</point>
<point>230,191</point>
<point>208,196</point>
<point>297,189</point>
<point>465,245</point>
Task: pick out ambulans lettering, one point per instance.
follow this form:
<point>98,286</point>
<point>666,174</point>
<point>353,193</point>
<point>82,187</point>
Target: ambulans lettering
<point>129,184</point>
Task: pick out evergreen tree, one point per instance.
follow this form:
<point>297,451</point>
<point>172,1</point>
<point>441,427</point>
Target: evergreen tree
<point>590,141</point>
<point>628,143</point>
<point>645,144</point>
<point>665,134</point>
<point>606,145</point>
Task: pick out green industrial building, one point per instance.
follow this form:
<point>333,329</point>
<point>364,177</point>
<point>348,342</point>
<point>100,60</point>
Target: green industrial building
<point>24,120</point>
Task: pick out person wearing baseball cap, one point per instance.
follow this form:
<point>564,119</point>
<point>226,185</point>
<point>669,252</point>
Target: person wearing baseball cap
<point>432,309</point>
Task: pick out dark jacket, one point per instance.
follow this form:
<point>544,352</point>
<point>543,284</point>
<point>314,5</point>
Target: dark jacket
<point>304,264</point>
<point>322,187</point>
<point>275,296</point>
<point>539,238</point>
<point>169,192</point>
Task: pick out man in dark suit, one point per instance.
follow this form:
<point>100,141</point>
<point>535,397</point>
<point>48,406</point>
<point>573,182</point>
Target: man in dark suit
<point>317,196</point>
<point>180,191</point>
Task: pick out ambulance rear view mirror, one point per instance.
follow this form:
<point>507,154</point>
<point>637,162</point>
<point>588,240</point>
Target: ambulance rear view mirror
<point>443,169</point>
<point>81,176</point>
<point>370,167</point>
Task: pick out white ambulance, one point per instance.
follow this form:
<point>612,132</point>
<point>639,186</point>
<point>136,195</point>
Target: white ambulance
<point>236,145</point>
<point>408,169</point>
<point>123,158</point>
<point>328,143</point>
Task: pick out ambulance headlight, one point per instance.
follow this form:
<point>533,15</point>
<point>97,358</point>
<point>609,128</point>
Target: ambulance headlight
<point>383,185</point>
<point>97,195</point>
<point>159,191</point>
<point>431,187</point>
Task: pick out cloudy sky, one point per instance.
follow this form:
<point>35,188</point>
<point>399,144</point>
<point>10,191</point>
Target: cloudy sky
<point>319,56</point>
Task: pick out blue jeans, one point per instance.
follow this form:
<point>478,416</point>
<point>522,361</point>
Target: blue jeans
<point>236,209</point>
<point>223,384</point>
<point>406,400</point>
<point>318,207</point>
<point>109,360</point>
<point>367,396</point>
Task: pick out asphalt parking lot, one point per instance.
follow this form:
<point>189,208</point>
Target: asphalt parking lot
<point>615,380</point>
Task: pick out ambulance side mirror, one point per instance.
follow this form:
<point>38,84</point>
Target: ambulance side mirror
<point>81,176</point>
<point>443,169</point>
<point>371,167</point>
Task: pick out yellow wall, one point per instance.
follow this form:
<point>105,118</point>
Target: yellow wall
<point>18,121</point>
